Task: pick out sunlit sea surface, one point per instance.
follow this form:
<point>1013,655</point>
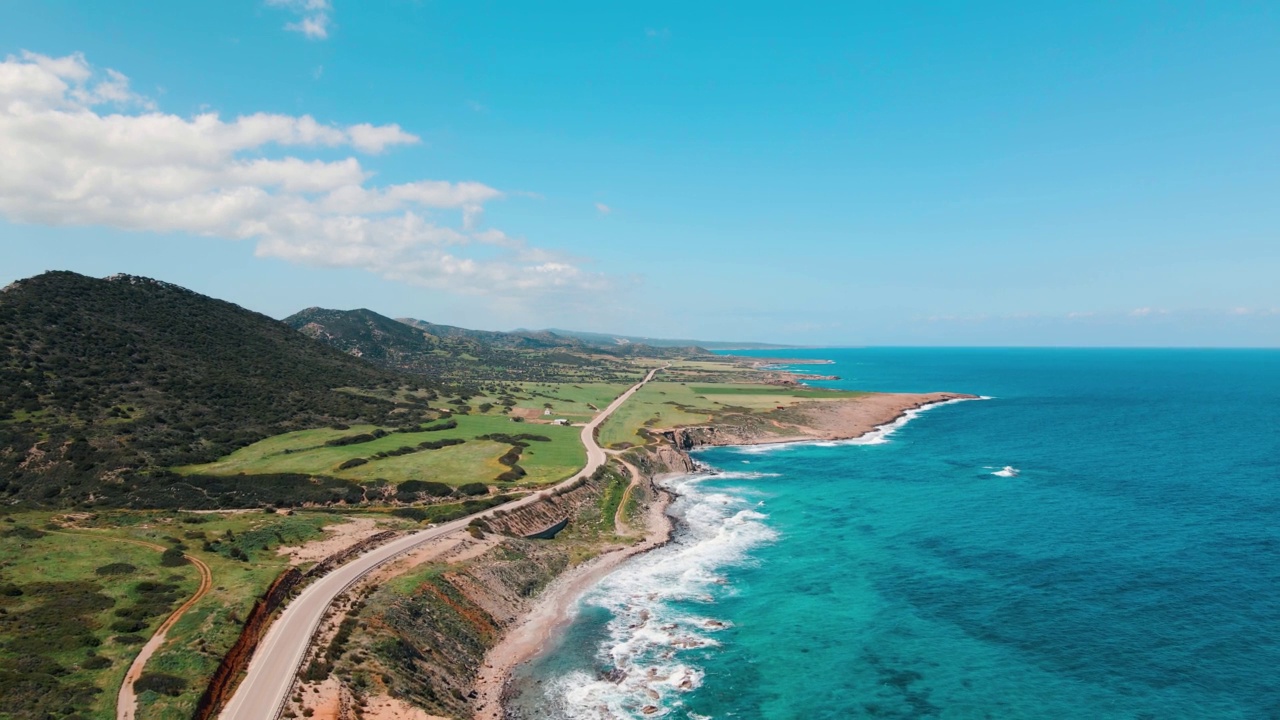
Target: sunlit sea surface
<point>1126,566</point>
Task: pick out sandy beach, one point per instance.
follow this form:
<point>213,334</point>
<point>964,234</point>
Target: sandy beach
<point>553,610</point>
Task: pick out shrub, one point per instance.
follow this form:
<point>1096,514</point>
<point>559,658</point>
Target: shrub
<point>117,569</point>
<point>353,462</point>
<point>160,683</point>
<point>95,662</point>
<point>129,640</point>
<point>437,444</point>
<point>515,473</point>
<point>172,558</point>
<point>351,439</point>
<point>511,457</point>
<point>412,513</point>
<point>474,489</point>
<point>446,425</point>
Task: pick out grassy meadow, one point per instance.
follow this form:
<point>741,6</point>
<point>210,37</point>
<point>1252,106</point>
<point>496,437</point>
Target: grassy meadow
<point>670,404</point>
<point>472,461</point>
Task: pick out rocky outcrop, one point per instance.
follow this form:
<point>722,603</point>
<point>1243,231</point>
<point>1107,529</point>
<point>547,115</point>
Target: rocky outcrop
<point>664,457</point>
<point>550,509</point>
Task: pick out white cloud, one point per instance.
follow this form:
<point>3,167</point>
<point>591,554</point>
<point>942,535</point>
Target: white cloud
<point>79,147</point>
<point>1143,312</point>
<point>603,209</point>
<point>314,20</point>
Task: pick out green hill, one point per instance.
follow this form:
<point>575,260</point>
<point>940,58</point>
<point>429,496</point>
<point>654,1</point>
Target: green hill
<point>103,381</point>
<point>458,354</point>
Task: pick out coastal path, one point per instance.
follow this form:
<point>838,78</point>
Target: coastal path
<point>278,657</point>
<point>620,526</point>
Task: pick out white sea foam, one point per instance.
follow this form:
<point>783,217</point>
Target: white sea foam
<point>1008,471</point>
<point>662,606</point>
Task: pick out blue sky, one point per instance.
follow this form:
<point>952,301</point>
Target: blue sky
<point>838,173</point>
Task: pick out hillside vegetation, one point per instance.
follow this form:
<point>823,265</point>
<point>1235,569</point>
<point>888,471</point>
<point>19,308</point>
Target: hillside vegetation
<point>105,380</point>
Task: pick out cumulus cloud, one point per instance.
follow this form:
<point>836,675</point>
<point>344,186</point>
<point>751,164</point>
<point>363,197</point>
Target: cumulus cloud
<point>313,16</point>
<point>79,147</point>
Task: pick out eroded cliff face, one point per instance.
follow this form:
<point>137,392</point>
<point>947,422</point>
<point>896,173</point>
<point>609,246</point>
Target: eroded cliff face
<point>663,458</point>
<point>551,510</point>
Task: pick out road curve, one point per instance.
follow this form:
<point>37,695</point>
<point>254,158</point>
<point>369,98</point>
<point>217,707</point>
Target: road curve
<point>276,661</point>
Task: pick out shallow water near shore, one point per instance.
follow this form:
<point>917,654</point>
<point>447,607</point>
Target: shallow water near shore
<point>1128,569</point>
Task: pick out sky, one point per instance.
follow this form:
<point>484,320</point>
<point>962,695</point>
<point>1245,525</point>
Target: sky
<point>912,173</point>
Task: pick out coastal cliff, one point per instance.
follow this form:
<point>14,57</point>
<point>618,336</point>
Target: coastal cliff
<point>418,634</point>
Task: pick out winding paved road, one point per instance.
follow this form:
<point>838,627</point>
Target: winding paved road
<point>279,655</point>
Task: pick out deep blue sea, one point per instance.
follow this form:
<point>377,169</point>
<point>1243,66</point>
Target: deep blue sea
<point>1130,569</point>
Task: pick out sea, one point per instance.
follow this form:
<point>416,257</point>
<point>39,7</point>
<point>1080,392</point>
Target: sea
<point>1097,538</point>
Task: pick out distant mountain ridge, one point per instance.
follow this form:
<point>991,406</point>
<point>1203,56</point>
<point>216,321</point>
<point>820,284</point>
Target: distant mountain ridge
<point>608,339</point>
<point>460,354</point>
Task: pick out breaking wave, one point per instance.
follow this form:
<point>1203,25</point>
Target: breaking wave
<point>662,607</point>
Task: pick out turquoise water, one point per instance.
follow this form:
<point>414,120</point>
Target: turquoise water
<point>1131,569</point>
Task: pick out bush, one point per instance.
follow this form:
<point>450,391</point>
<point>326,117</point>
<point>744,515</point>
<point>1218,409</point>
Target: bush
<point>514,439</point>
<point>160,683</point>
<point>172,557</point>
<point>95,662</point>
<point>474,489</point>
<point>351,439</point>
<point>117,569</point>
<point>434,489</point>
<point>353,462</point>
<point>412,513</point>
<point>129,640</point>
<point>446,425</point>
<point>511,457</point>
<point>437,444</point>
<point>515,473</point>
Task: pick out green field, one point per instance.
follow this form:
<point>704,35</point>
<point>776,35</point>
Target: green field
<point>570,401</point>
<point>672,404</point>
<point>473,461</point>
